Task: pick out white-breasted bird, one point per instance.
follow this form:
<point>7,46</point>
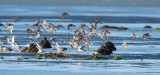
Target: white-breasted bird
<point>39,49</point>
<point>124,44</point>
<point>81,49</point>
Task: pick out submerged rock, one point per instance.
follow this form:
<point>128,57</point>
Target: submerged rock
<point>122,28</point>
<point>107,48</point>
<point>147,26</point>
<point>45,43</point>
<point>32,48</point>
<point>55,55</point>
<point>111,27</point>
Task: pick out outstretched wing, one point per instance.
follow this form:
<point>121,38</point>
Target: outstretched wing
<point>57,45</point>
<point>13,39</point>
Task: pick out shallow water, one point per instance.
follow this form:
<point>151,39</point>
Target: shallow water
<point>143,55</point>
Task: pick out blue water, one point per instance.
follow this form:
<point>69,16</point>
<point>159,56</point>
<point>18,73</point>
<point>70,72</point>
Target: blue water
<point>79,10</point>
<point>135,18</point>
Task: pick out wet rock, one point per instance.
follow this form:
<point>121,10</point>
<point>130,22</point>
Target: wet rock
<point>62,55</point>
<point>32,48</point>
<point>50,55</point>
<point>111,27</point>
<point>35,25</point>
<point>122,28</point>
<point>1,24</point>
<point>107,48</point>
<point>45,43</point>
<point>147,26</point>
<point>55,55</point>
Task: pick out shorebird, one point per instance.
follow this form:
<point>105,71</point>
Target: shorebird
<point>95,53</point>
<point>93,31</point>
<point>38,22</point>
<point>28,30</point>
<point>27,45</point>
<point>58,26</point>
<point>59,49</point>
<point>39,49</point>
<point>104,37</point>
<point>124,44</point>
<point>10,27</point>
<point>52,39</point>
<point>83,32</point>
<point>86,37</point>
<point>88,43</point>
<point>73,43</point>
<point>32,37</point>
<point>63,40</point>
<point>51,28</point>
<point>45,25</point>
<point>5,49</point>
<point>63,15</point>
<point>81,49</point>
<point>17,47</point>
<point>9,40</point>
<point>38,32</point>
<point>96,20</point>
<point>1,43</point>
<point>70,25</point>
<point>12,43</point>
<point>145,36</point>
<point>105,31</point>
<point>133,35</point>
<point>83,25</point>
<point>15,20</point>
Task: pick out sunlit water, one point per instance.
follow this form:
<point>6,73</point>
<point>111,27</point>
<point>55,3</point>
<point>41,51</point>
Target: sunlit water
<point>10,65</point>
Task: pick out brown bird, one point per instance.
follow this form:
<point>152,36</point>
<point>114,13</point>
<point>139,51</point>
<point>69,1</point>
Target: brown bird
<point>63,40</point>
<point>63,15</point>
<point>52,39</point>
<point>96,20</point>
<point>9,27</point>
<point>133,35</point>
<point>58,26</point>
<point>32,37</point>
<point>83,25</point>
<point>70,25</point>
<point>15,20</point>
<point>145,36</point>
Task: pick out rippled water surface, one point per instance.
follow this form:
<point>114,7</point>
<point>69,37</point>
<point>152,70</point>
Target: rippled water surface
<point>142,57</point>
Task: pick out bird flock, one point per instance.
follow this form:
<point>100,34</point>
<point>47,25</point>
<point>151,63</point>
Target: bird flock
<point>79,41</point>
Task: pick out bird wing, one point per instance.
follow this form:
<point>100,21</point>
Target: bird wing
<point>8,40</point>
<point>13,39</point>
<point>38,45</point>
<point>57,45</point>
